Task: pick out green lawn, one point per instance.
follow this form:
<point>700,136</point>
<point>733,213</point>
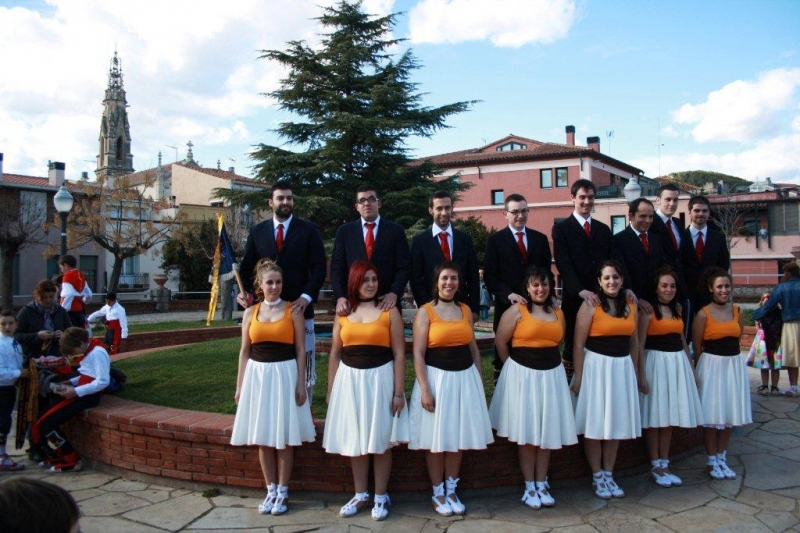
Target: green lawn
<point>202,377</point>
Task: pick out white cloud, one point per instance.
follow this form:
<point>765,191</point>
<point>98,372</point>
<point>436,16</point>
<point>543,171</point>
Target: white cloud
<point>507,23</point>
<point>743,110</point>
<point>777,158</point>
<point>190,69</point>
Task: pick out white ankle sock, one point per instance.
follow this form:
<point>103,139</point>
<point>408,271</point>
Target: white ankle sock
<point>712,460</point>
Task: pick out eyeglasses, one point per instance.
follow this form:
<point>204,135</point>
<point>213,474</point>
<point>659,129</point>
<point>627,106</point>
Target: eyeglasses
<point>364,201</point>
<point>518,212</point>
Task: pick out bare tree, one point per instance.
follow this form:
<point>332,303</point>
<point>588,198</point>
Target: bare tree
<point>22,224</point>
<point>729,216</point>
<point>122,218</point>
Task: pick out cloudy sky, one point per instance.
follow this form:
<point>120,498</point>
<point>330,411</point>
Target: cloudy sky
<point>668,86</point>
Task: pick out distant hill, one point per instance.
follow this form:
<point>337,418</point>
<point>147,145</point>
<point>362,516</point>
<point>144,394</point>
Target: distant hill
<point>699,178</point>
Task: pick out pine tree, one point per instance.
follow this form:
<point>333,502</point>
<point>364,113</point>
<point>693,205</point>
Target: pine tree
<point>357,106</point>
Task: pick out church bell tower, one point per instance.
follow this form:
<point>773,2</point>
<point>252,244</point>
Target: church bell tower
<point>115,158</point>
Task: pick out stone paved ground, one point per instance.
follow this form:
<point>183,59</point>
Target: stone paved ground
<point>766,455</point>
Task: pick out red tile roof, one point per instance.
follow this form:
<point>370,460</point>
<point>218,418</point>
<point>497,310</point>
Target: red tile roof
<point>536,150</point>
<point>26,180</point>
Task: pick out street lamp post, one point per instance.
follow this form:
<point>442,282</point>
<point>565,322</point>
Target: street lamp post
<point>63,202</point>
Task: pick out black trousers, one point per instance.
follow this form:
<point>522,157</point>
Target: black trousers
<point>8,396</point>
<point>49,425</point>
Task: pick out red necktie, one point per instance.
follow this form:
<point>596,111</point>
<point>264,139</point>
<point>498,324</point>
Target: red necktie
<point>645,242</point>
<point>279,238</point>
<point>672,235</point>
<point>369,242</point>
<point>588,229</point>
<point>521,246</point>
<point>445,245</point>
<point>699,247</point>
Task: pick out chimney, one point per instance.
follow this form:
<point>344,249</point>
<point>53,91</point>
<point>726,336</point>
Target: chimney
<point>84,176</point>
<point>231,169</point>
<point>593,143</point>
<point>571,135</point>
<point>1,166</point>
<point>55,173</point>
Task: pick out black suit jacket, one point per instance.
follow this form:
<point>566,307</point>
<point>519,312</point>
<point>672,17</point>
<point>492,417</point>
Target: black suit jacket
<point>390,256</point>
<point>715,253</point>
<point>640,267</point>
<point>302,258</point>
<point>505,269</point>
<point>577,256</point>
<point>671,255</point>
<point>426,253</point>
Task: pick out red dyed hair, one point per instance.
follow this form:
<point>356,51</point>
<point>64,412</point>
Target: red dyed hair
<point>355,278</point>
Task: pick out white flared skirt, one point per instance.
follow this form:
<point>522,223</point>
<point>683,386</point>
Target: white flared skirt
<point>533,407</point>
<point>673,399</point>
<point>459,421</point>
<point>724,390</point>
<point>608,401</point>
<point>360,419</point>
<point>267,414</point>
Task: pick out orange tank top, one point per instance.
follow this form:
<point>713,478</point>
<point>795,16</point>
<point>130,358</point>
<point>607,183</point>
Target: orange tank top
<point>717,330</point>
<point>447,333</point>
<point>375,333</point>
<point>605,325</point>
<point>664,326</point>
<point>532,332</point>
<point>281,331</point>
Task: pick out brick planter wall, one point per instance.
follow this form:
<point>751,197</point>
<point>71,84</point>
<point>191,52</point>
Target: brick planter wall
<point>192,447</point>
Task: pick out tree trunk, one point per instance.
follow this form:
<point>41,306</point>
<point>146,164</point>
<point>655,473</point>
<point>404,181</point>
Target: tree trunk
<point>6,287</point>
<point>227,299</point>
<point>116,270</point>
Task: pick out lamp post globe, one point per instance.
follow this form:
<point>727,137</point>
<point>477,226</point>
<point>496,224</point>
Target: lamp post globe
<point>632,190</point>
<point>63,202</point>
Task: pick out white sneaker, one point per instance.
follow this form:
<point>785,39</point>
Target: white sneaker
<point>726,470</point>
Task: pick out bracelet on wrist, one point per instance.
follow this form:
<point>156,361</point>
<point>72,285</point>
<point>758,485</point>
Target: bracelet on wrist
<point>401,395</point>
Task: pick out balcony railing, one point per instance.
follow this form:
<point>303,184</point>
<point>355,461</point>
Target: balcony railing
<point>133,282</point>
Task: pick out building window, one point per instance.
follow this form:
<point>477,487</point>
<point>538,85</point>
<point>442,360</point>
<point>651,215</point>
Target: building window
<point>507,147</point>
<point>88,265</point>
<point>561,177</point>
<point>546,178</point>
<point>497,197</point>
<point>618,223</point>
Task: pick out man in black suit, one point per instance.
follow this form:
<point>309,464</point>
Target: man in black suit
<point>701,247</point>
<point>380,241</point>
<point>580,245</point>
<point>670,232</point>
<point>296,245</point>
<point>442,242</point>
<point>510,252</point>
<point>640,253</point>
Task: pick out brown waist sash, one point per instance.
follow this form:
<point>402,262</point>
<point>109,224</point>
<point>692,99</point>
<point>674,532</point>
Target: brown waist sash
<point>271,352</point>
<point>537,358</point>
<point>449,358</point>
<point>727,346</point>
<point>610,345</point>
<point>366,356</point>
<point>669,342</point>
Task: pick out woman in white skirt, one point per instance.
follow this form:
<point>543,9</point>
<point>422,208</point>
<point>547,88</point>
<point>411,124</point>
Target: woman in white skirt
<point>273,412</point>
<point>448,405</point>
<point>366,375</point>
<point>721,370</point>
<point>606,353</point>
<point>531,404</point>
<point>669,394</point>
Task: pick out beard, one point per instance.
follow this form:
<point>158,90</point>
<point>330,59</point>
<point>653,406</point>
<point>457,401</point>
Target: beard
<point>283,212</point>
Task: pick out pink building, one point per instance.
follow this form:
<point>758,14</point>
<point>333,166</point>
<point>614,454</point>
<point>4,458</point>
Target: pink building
<point>543,172</point>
